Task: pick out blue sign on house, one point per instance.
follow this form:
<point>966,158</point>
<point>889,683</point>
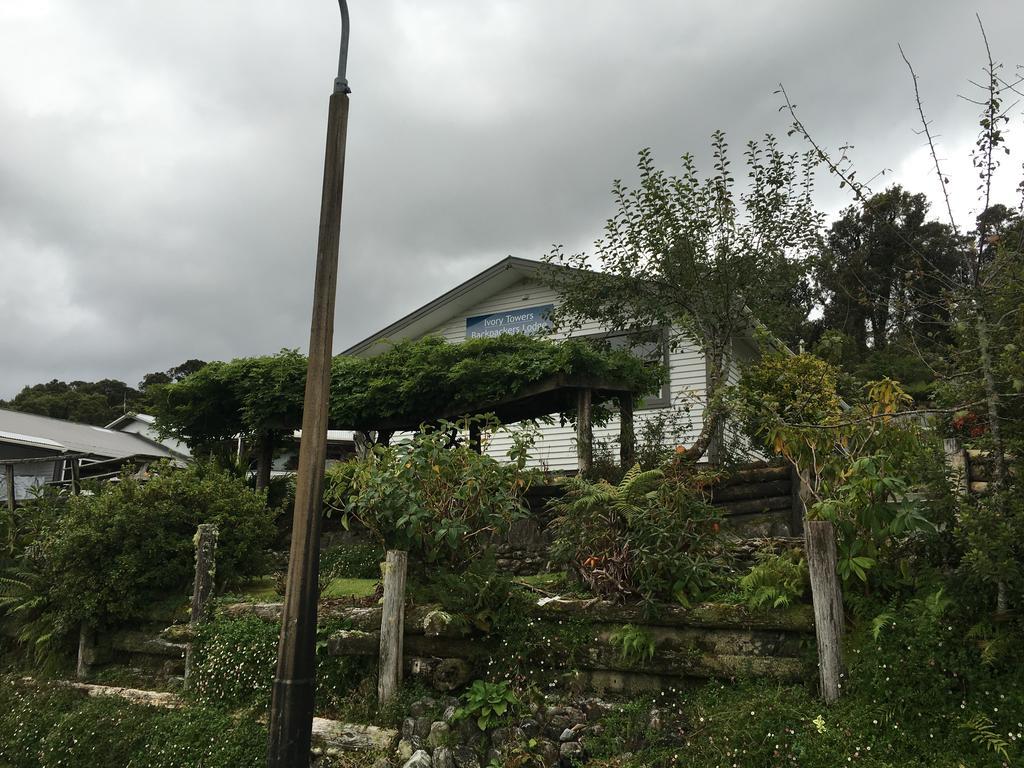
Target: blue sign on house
<point>527,320</point>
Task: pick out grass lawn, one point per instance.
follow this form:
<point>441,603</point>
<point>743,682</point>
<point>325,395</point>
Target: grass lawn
<point>262,590</point>
<point>350,588</point>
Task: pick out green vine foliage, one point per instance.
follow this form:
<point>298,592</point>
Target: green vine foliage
<point>426,496</point>
<point>651,536</point>
<point>418,381</point>
<point>411,383</point>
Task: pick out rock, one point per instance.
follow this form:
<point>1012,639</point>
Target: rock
<point>439,735</point>
<point>560,718</point>
<point>443,758</point>
<point>422,707</point>
<point>503,737</point>
<point>408,730</point>
<point>437,623</point>
<point>530,727</point>
<point>654,724</point>
<point>405,750</point>
<point>567,735</point>
<point>548,751</point>
<point>465,757</point>
<point>450,674</point>
<point>570,754</point>
<point>449,714</point>
<point>595,709</point>
<point>419,759</point>
<point>421,727</point>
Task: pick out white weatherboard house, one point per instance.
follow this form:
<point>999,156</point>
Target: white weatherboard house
<point>511,297</point>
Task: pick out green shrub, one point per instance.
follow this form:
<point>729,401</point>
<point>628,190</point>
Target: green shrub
<point>796,389</point>
<point>46,729</point>
<point>776,580</point>
<point>233,662</point>
<point>487,703</point>
<point>650,536</point>
<point>479,593</point>
<point>430,498</point>
<point>105,558</point>
<point>352,561</point>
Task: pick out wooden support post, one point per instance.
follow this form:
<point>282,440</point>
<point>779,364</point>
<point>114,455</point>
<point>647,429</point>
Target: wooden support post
<point>86,650</point>
<point>206,576</point>
<point>475,441</point>
<point>392,626</point>
<point>827,596</point>
<point>76,476</point>
<point>801,495</point>
<point>584,431</point>
<point>956,463</point>
<point>627,434</point>
<point>9,482</point>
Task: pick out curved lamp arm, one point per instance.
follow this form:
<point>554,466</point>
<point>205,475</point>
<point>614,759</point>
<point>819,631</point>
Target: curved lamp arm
<point>340,82</point>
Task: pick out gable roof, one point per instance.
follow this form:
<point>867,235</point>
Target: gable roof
<point>71,437</point>
<point>504,274</point>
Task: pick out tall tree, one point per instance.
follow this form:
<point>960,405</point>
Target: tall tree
<point>882,258</point>
<point>256,397</point>
<point>699,256</point>
<point>88,402</point>
<point>975,295</point>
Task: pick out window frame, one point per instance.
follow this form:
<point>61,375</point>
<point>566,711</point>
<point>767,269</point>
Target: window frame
<point>650,402</point>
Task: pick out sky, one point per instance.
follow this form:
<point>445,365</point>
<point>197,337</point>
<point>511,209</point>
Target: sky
<point>161,162</point>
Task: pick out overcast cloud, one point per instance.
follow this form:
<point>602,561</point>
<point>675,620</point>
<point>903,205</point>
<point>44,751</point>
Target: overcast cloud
<point>160,162</point>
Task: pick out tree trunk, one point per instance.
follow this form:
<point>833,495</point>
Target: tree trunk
<point>264,461</point>
<point>714,412</point>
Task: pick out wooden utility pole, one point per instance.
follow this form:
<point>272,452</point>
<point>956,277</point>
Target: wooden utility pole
<point>291,709</point>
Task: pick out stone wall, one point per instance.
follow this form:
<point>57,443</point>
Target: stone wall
<point>705,641</point>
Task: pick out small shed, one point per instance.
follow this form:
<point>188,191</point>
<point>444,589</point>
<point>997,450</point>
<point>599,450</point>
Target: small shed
<point>39,450</point>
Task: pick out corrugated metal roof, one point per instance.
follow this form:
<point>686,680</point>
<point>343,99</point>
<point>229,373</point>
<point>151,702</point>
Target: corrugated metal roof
<point>77,438</point>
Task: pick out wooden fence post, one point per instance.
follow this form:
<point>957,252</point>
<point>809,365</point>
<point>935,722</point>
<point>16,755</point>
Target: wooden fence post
<point>827,596</point>
<point>206,574</point>
<point>627,433</point>
<point>584,431</point>
<point>392,625</point>
<point>86,650</point>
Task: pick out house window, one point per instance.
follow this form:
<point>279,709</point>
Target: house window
<point>651,346</point>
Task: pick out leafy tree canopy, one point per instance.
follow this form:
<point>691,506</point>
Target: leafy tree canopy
<point>97,403</point>
<point>698,255</point>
